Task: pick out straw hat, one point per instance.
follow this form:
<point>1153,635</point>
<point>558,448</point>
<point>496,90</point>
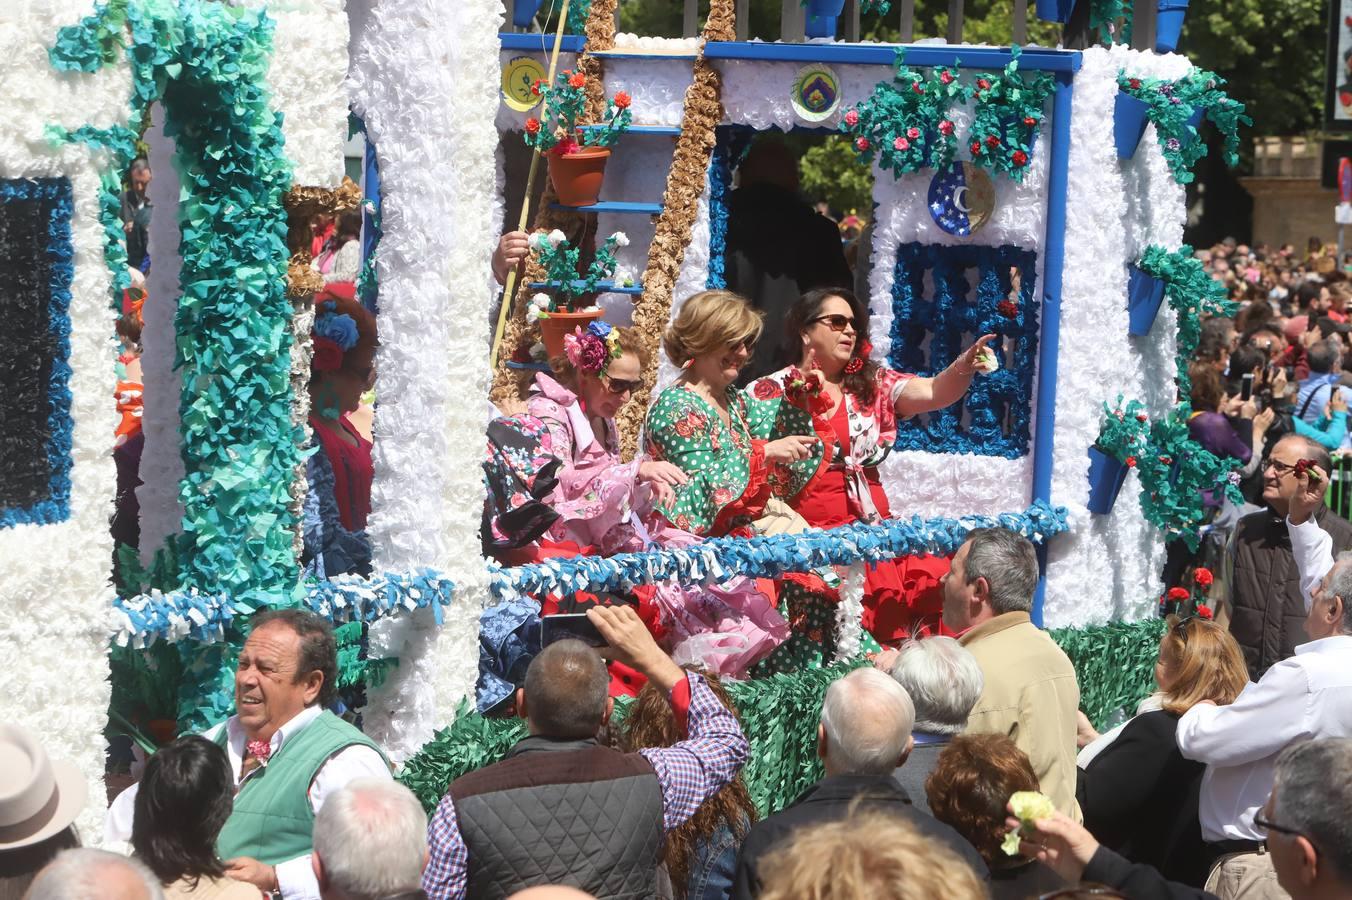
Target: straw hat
<point>39,797</point>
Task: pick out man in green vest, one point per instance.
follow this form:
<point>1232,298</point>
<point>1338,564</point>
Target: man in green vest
<point>288,753</point>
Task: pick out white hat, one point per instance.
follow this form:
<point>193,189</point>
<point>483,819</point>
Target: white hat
<point>39,797</point>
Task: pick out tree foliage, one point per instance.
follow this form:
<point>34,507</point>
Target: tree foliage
<point>828,171</point>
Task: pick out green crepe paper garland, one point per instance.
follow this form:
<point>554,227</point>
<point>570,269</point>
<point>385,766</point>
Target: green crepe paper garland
<point>1114,664</point>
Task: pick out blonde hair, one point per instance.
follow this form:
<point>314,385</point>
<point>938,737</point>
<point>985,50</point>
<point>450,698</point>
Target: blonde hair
<point>867,856</point>
<point>709,321</point>
<point>1207,664</point>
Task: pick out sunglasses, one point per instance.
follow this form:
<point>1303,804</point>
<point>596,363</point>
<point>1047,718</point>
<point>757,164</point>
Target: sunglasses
<point>747,343</point>
<point>618,386</point>
<point>835,322</point>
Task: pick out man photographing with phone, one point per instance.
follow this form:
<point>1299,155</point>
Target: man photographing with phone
<point>564,809</point>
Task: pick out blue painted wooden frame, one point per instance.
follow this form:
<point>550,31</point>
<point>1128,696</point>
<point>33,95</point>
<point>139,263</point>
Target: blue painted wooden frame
<point>1054,256</point>
<point>539,42</point>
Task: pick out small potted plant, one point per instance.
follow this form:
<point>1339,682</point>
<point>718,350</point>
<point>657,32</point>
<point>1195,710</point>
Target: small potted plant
<point>1122,438</point>
<point>577,156</point>
<point>559,308</point>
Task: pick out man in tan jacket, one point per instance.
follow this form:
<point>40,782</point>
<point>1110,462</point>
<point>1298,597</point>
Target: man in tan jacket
<point>1030,692</point>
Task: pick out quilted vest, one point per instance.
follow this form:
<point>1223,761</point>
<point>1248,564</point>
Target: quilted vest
<point>272,820</point>
<point>561,812</point>
<point>1267,612</point>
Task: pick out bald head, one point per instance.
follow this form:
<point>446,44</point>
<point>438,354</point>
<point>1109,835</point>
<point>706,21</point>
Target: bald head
<point>866,724</point>
<point>551,892</point>
<point>567,691</point>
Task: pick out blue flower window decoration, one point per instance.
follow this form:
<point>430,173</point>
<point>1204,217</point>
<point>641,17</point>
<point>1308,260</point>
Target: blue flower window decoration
<point>943,298</point>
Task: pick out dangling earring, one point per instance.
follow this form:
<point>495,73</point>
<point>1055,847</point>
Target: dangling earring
<point>854,365</point>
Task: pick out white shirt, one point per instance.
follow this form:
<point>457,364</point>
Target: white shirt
<point>295,877</point>
<point>1312,547</point>
<point>1306,697</point>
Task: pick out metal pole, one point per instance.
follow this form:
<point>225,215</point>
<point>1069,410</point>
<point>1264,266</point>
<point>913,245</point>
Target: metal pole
<point>509,288</point>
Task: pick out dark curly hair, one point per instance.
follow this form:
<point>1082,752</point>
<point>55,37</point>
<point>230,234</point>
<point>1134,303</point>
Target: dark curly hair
<point>318,646</point>
<point>649,723</point>
<point>185,796</point>
<point>971,783</point>
<point>861,384</point>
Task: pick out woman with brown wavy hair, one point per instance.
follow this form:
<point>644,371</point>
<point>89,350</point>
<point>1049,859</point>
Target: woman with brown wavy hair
<point>1139,795</point>
<point>701,855</point>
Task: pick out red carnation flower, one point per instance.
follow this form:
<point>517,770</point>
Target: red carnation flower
<point>1178,593</point>
<point>1204,612</point>
<point>976,148</point>
<point>1020,158</point>
<point>992,141</point>
<point>1008,308</point>
<point>328,356</point>
<point>1131,462</point>
<point>1202,576</point>
<point>578,80</point>
<point>532,126</point>
<point>622,100</point>
<point>861,144</point>
<point>913,133</point>
<point>945,127</point>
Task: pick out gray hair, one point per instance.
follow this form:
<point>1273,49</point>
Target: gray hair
<point>868,719</point>
<point>371,839</point>
<point>1310,796</point>
<point>942,679</point>
<point>1008,562</point>
<point>1340,585</point>
<point>85,872</point>
<point>566,690</point>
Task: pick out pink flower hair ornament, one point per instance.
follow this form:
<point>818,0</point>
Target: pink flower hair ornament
<point>593,349</point>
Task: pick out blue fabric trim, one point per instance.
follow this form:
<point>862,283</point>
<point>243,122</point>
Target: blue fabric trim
<point>997,406</point>
<point>205,617</point>
<point>730,149</point>
<point>717,559</point>
<point>57,197</point>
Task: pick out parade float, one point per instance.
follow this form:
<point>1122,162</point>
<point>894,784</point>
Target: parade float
<point>1032,192</point>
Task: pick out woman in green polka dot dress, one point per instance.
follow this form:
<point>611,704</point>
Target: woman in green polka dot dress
<point>716,433</point>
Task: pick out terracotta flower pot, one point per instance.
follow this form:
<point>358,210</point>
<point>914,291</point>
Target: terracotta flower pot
<point>577,176</point>
<point>556,325</point>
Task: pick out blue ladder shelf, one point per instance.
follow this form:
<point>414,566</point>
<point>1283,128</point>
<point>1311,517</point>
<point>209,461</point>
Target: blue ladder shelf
<point>531,366</point>
<point>615,206</point>
<point>602,287</point>
<point>667,130</point>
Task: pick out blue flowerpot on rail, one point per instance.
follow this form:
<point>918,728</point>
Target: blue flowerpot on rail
<point>1129,121</point>
<point>1169,17</point>
<point>1145,294</point>
<point>1106,476</point>
<point>523,12</point>
<point>1054,10</point>
<point>821,17</point>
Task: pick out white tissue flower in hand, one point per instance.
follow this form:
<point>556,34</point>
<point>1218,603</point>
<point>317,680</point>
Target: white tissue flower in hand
<point>987,362</point>
<point>1029,806</point>
<point>620,238</point>
<point>556,237</point>
<point>539,241</point>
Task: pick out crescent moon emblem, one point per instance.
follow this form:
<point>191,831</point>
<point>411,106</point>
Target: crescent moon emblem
<point>960,199</point>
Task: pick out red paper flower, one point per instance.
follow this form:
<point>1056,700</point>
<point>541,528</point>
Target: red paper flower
<point>852,117</point>
<point>913,133</point>
<point>1020,158</point>
<point>861,144</point>
<point>945,127</point>
<point>328,356</point>
<point>992,141</point>
<point>578,80</point>
<point>1142,417</point>
<point>1029,121</point>
<point>1131,462</point>
<point>532,126</point>
<point>946,77</point>
<point>1178,593</point>
<point>1135,84</point>
<point>566,145</point>
<point>901,144</point>
<point>976,148</point>
<point>917,87</point>
<point>1008,308</point>
<point>767,389</point>
<point>622,100</point>
<point>535,88</point>
<point>1204,612</point>
<point>983,83</point>
<point>1202,576</point>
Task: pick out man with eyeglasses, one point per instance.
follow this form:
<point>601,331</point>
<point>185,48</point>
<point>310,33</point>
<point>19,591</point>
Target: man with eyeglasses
<point>1308,696</point>
<point>1265,609</point>
<point>1308,830</point>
